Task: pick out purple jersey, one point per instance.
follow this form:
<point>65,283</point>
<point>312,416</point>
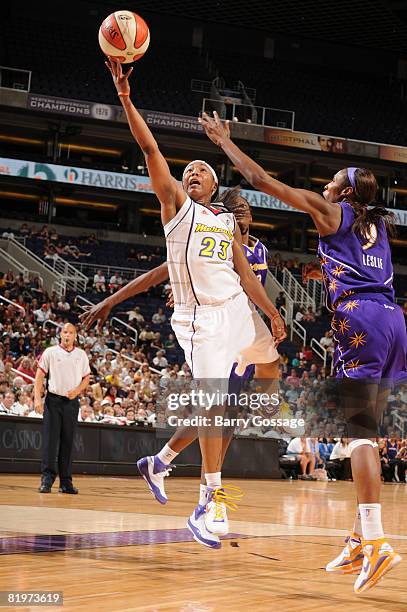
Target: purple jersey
<point>257,258</point>
<point>353,266</point>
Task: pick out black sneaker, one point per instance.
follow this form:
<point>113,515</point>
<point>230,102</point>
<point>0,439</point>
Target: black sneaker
<point>68,488</point>
<point>46,485</point>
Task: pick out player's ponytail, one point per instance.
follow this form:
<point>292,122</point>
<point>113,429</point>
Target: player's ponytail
<point>362,198</point>
<point>233,200</point>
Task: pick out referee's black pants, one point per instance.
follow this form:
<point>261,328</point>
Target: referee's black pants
<point>59,426</point>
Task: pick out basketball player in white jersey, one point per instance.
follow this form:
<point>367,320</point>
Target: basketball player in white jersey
<point>213,319</point>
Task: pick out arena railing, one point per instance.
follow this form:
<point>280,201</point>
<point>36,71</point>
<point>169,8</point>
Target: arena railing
<point>120,321</point>
<point>74,278</point>
<point>281,118</point>
<point>138,363</point>
<point>108,270</point>
<point>297,293</point>
<point>51,279</point>
<point>22,374</point>
<point>4,299</point>
<point>133,329</point>
<point>319,350</point>
<point>298,329</point>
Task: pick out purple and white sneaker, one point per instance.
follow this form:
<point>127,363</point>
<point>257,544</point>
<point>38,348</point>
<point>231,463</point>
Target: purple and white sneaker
<point>154,471</point>
<point>196,525</point>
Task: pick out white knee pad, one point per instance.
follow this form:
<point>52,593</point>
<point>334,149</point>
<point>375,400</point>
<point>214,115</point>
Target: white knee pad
<point>355,443</point>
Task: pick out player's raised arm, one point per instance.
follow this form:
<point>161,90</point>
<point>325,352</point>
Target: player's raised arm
<point>166,187</point>
<point>144,282</point>
<point>301,199</point>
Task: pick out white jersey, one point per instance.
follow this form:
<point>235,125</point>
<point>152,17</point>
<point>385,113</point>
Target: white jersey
<point>199,254</point>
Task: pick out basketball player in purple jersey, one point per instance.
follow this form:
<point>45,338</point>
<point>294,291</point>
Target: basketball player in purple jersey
<point>369,328</point>
<point>212,283</point>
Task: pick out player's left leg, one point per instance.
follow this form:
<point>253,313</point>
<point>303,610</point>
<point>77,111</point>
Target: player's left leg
<point>366,350</point>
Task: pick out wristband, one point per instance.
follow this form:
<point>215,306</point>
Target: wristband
<point>275,316</point>
<point>123,94</point>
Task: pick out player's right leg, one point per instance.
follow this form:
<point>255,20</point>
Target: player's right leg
<point>155,468</point>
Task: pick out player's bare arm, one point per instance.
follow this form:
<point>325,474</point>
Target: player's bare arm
<point>166,187</point>
<point>144,282</point>
<point>255,290</point>
<point>325,215</point>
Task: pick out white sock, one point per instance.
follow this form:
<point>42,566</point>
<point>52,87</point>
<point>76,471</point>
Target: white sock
<point>166,454</point>
<point>371,519</point>
<point>203,495</point>
<point>357,525</point>
<point>214,480</point>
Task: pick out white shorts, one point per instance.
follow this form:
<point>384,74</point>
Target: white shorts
<point>213,338</point>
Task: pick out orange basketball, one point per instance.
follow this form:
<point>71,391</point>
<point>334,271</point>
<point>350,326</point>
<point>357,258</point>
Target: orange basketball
<point>125,36</point>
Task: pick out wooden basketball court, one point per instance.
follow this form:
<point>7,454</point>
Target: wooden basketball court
<point>113,547</point>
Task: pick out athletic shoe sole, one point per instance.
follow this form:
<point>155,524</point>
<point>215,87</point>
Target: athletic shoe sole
<point>142,466</point>
<point>198,538</point>
<point>386,566</point>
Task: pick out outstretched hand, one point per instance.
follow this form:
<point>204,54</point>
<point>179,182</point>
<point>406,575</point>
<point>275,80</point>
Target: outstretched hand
<point>120,78</point>
<point>214,128</point>
<point>98,312</point>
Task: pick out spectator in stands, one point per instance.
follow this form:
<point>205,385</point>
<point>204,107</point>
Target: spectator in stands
<point>115,282</point>
<point>24,230</point>
<point>146,335</point>
<point>387,470</point>
<point>111,394</point>
<point>280,300</point>
<point>299,315</point>
<point>86,414</point>
<point>63,305</point>
<point>159,317</point>
<point>8,234</point>
<point>306,354</point>
<point>309,316</point>
<point>50,252</point>
<point>156,342</point>
<point>135,315</point>
<point>327,342</point>
<point>340,458</point>
<point>293,379</point>
<point>43,314</point>
<point>99,282</point>
<point>170,342</point>
<point>305,452</point>
<point>7,402</point>
<point>26,370</point>
<point>392,450</point>
<point>21,406</point>
<point>159,360</point>
<point>402,461</point>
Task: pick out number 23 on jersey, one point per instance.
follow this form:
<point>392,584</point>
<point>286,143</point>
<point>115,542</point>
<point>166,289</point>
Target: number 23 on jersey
<point>210,248</point>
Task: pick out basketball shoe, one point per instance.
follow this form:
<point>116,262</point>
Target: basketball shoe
<point>351,558</point>
<point>154,471</point>
<point>216,519</point>
<point>379,559</point>
<point>196,525</point>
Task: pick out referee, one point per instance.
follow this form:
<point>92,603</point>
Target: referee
<point>66,368</point>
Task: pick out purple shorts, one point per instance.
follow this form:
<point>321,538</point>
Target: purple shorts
<point>371,341</point>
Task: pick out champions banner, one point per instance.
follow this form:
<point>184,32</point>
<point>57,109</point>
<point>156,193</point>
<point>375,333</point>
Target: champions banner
<point>185,123</point>
<point>128,182</point>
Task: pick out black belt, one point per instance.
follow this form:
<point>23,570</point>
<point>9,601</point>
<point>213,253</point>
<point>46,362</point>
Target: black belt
<point>61,397</point>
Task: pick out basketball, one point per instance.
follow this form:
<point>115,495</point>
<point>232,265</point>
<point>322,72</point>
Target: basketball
<point>125,36</point>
